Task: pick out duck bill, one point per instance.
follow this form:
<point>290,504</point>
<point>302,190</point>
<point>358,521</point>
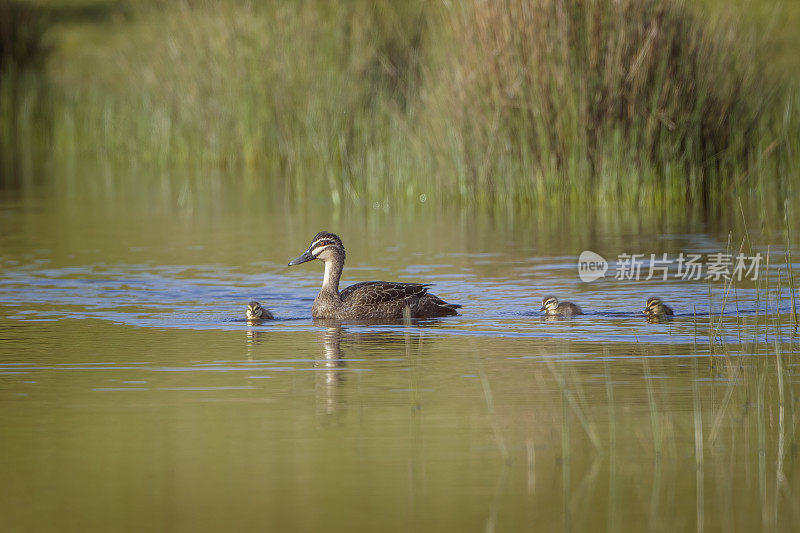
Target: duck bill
<point>302,259</point>
<point>542,310</point>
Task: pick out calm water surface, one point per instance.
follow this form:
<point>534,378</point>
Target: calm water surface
<point>133,395</point>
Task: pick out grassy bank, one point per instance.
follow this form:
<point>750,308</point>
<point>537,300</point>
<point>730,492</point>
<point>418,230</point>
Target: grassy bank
<point>629,104</point>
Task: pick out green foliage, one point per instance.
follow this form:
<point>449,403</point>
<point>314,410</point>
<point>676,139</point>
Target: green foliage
<point>568,85</point>
<point>630,103</point>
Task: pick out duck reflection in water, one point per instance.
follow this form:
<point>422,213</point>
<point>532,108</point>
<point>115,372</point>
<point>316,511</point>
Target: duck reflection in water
<point>254,337</point>
<point>339,344</point>
<point>330,376</point>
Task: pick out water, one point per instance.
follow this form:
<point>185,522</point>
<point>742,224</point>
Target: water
<point>133,392</point>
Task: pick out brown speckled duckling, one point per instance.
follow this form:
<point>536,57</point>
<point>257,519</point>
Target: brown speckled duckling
<point>256,312</point>
<point>656,309</point>
<point>551,307</point>
<point>368,300</point>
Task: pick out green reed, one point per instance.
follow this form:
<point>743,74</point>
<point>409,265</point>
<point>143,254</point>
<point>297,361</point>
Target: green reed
<point>754,419</point>
<point>742,408</point>
<point>525,102</point>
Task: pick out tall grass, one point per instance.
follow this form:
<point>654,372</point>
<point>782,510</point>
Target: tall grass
<point>631,103</point>
<point>616,97</point>
<point>304,94</point>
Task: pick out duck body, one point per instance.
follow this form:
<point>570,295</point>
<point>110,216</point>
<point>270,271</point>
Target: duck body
<point>552,307</point>
<point>368,300</point>
<point>371,300</point>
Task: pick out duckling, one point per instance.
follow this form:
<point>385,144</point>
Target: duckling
<point>656,309</point>
<point>256,312</point>
<point>551,307</point>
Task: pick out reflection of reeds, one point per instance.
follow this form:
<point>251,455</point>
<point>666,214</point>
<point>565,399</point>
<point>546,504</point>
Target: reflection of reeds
<point>739,436</point>
<point>576,401</point>
<point>789,268</point>
<point>612,446</point>
<point>655,425</point>
<point>489,398</point>
<point>698,451</point>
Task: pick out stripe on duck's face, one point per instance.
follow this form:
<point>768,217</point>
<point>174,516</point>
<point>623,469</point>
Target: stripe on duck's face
<point>653,303</point>
<point>549,302</point>
<point>324,251</point>
<point>319,246</point>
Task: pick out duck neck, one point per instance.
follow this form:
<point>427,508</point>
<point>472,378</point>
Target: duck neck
<point>333,271</point>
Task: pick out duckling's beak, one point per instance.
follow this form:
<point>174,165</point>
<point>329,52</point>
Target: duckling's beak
<point>542,309</point>
<point>307,256</point>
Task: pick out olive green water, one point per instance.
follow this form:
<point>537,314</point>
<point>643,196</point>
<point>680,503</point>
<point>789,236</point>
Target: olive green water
<point>134,397</point>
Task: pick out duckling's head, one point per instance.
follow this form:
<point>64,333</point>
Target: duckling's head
<point>325,246</point>
<point>549,303</point>
<point>653,307</point>
<point>256,312</point>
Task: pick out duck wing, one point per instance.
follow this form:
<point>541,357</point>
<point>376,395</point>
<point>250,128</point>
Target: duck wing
<point>375,292</point>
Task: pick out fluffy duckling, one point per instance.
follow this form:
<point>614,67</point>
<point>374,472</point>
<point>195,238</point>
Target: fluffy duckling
<point>656,309</point>
<point>551,307</point>
<point>256,312</point>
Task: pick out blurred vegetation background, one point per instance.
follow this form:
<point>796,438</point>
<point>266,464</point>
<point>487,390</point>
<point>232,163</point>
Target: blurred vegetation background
<point>625,104</point>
